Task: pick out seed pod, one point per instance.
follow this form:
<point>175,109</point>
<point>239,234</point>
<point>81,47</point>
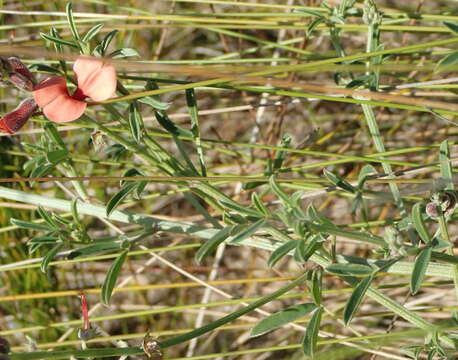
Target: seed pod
<point>16,119</point>
<point>152,347</point>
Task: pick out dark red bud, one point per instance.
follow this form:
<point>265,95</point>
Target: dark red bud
<point>21,82</point>
<point>19,67</point>
<point>15,119</point>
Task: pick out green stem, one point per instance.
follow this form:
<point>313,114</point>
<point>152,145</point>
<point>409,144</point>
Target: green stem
<point>444,232</point>
<point>107,352</point>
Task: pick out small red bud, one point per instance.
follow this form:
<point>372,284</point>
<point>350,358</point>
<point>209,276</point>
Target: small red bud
<point>21,82</point>
<point>19,67</point>
<point>15,119</point>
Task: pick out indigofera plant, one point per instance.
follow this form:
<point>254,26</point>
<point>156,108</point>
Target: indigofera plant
<point>96,80</point>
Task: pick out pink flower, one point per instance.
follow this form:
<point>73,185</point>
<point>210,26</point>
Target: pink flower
<point>96,80</point>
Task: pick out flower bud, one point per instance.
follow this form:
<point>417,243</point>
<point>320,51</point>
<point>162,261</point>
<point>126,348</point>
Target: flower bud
<point>15,119</point>
<point>19,67</point>
<point>12,70</point>
<point>21,82</point>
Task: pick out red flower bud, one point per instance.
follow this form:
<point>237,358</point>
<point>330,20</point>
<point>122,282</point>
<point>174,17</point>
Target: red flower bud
<point>15,119</point>
<point>21,82</point>
<point>12,70</point>
<point>19,67</point>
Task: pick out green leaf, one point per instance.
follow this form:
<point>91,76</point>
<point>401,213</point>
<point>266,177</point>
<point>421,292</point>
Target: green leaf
<point>106,41</point>
<point>71,21</point>
<point>211,244</point>
<point>191,102</point>
<point>154,103</point>
<point>57,156</point>
<point>171,127</point>
<point>281,318</point>
<point>307,248</point>
<point>419,269</point>
<point>280,155</point>
<point>349,269</point>
<point>445,165</point>
<point>123,53</point>
<point>297,256</point>
<point>364,174</point>
<point>93,31</point>
<point>277,190</point>
<point>43,240</point>
<point>356,297</point>
<point>280,252</point>
<point>112,277</point>
<point>54,135</point>
<point>339,182</point>
<point>311,333</point>
<point>58,41</point>
<point>135,122</point>
<point>119,196</point>
<point>248,231</point>
<point>451,26</point>
<point>419,224</point>
<point>30,225</point>
<point>45,68</point>
<point>316,286</point>
<point>447,60</point>
<point>318,217</point>
<point>97,248</point>
<point>47,217</point>
<point>140,184</point>
<point>242,210</point>
<point>42,170</point>
<point>259,205</point>
<point>49,256</point>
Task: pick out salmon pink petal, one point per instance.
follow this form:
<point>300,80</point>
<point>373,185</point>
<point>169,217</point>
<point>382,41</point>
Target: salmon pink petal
<point>96,79</point>
<point>49,89</point>
<point>85,68</point>
<point>64,109</point>
<point>102,86</point>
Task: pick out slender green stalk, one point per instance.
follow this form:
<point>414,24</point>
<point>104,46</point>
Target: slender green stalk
<point>166,343</point>
<point>445,235</point>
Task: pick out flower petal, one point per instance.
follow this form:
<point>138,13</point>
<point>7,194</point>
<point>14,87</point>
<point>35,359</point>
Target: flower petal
<point>96,79</point>
<point>85,68</point>
<point>64,109</point>
<point>49,89</point>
